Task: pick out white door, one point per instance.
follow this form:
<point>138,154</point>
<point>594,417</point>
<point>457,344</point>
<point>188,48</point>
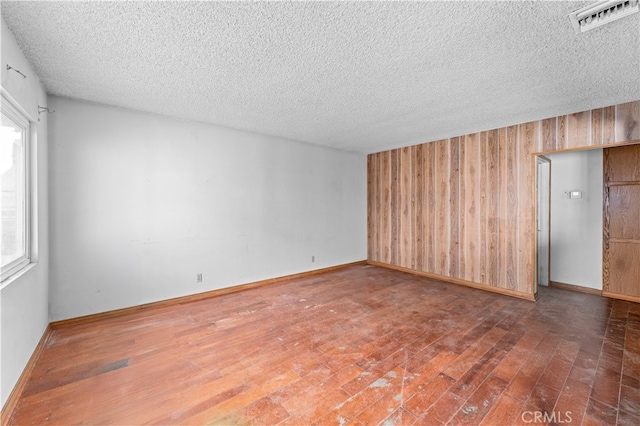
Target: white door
<point>542,214</point>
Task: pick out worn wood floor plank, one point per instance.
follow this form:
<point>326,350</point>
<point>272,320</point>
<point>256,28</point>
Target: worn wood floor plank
<point>358,346</point>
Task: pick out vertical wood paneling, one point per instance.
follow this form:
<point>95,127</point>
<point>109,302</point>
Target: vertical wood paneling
<point>395,207</point>
<point>371,191</point>
<point>441,237</point>
<point>561,135</point>
<point>482,220</point>
<point>385,234</point>
<point>578,129</point>
<point>454,212</point>
<point>493,205</point>
<point>463,207</point>
<point>526,145</point>
<point>502,207</point>
<point>628,121</point>
<point>609,125</point>
<point>426,207</point>
<point>471,213</point>
<point>417,204</point>
<point>597,128</point>
<point>511,209</point>
<point>430,211</point>
<point>549,134</point>
<point>377,200</point>
<point>404,206</point>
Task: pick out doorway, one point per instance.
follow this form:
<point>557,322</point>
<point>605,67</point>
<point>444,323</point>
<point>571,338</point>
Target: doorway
<point>568,254</point>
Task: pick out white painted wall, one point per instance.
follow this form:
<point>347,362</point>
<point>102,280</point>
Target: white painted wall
<point>142,203</point>
<point>24,313</point>
<point>576,224</point>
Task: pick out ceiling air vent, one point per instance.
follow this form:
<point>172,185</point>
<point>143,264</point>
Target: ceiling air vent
<point>601,12</point>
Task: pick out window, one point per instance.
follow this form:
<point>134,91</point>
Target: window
<point>15,224</point>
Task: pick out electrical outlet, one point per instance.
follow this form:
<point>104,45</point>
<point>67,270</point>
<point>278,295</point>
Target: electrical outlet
<point>313,258</point>
<point>198,278</point>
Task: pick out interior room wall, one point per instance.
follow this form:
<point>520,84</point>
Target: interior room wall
<point>462,208</point>
<point>24,312</point>
<point>141,204</point>
<point>576,224</point>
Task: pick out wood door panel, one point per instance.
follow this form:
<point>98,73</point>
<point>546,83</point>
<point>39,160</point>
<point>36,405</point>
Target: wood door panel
<point>621,231</point>
<point>624,200</point>
<point>626,160</point>
<point>624,268</point>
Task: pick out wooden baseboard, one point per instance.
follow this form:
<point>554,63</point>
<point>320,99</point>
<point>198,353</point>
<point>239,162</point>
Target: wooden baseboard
<point>194,297</point>
<point>621,296</point>
<point>576,288</point>
<point>10,405</point>
<point>465,283</point>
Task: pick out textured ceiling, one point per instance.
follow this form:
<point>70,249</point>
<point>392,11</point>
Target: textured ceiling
<point>358,76</point>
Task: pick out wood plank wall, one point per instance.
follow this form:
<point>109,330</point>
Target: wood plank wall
<point>462,208</point>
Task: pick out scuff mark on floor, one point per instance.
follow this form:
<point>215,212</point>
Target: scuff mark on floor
<point>389,422</point>
<point>469,409</point>
<point>380,383</point>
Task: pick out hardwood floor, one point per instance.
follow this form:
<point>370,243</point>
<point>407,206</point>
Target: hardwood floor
<point>357,346</point>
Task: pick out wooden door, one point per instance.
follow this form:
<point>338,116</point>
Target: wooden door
<point>621,238</point>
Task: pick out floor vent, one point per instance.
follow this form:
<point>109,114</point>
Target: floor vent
<point>602,12</point>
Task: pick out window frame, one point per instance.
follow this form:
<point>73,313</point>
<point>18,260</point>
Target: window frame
<point>16,114</point>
